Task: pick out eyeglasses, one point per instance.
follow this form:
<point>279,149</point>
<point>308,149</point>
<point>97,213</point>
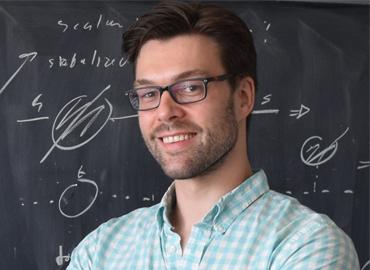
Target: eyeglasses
<point>182,92</point>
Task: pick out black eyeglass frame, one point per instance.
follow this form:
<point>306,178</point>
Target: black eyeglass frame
<point>169,87</point>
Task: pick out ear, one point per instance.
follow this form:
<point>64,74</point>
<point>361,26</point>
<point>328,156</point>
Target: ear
<point>244,95</point>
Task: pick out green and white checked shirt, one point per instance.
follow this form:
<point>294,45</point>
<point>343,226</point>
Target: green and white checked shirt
<point>251,227</point>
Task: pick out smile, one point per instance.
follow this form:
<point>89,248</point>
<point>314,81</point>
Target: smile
<point>177,138</point>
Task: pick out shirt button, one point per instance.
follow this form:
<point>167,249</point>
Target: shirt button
<point>172,249</point>
<point>218,228</point>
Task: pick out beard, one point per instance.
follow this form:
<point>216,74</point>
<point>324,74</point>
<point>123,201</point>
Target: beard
<point>207,155</point>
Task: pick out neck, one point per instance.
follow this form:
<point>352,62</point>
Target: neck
<point>195,197</point>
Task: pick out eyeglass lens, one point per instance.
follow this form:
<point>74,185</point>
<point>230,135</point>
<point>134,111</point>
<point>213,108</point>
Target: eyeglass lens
<point>182,92</point>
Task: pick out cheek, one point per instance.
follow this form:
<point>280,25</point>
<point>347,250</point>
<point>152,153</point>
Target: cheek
<point>144,125</point>
<point>218,108</point>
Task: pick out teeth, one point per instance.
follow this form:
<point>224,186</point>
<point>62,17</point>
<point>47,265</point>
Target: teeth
<point>177,138</point>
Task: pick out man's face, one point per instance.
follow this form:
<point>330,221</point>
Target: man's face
<point>187,140</point>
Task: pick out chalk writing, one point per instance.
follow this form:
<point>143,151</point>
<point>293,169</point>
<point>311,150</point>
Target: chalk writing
<point>147,199</point>
<point>270,111</point>
<point>81,180</point>
<point>316,157</point>
<point>62,258</point>
<point>37,103</point>
<point>363,165</point>
<point>80,172</point>
<point>301,112</point>
<point>266,99</point>
<point>33,119</point>
<point>76,116</point>
<point>365,265</point>
<point>123,117</point>
<point>89,26</point>
<point>94,59</point>
<point>267,28</point>
<point>324,191</point>
<point>28,57</point>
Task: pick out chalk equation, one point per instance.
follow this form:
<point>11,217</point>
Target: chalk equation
<point>267,111</point>
<point>79,118</point>
<point>323,191</point>
<point>312,152</point>
<point>82,181</point>
<point>363,165</point>
<point>367,264</point>
<point>95,59</point>
<point>89,26</point>
<point>266,100</point>
<point>302,111</point>
<point>75,115</point>
<point>36,103</point>
<point>61,259</point>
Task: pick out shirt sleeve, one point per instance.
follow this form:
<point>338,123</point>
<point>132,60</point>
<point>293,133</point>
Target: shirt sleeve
<point>318,246</point>
<point>83,255</point>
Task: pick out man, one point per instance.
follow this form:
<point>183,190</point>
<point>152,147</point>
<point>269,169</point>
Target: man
<point>195,76</point>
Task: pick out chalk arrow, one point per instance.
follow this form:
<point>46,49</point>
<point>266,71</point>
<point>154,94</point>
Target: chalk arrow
<point>363,165</point>
<point>301,112</point>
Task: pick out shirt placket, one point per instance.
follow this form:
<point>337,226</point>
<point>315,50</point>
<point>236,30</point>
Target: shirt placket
<point>171,248</point>
<point>175,258</point>
<point>196,246</point>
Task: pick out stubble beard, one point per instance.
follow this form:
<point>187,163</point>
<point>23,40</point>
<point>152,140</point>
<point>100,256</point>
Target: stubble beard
<point>209,155</point>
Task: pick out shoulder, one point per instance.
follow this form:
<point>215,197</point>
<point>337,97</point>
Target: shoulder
<point>287,209</point>
<point>138,219</point>
<point>121,230</point>
<point>297,222</point>
<point>305,238</point>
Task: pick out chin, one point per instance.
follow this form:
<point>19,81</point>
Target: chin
<point>177,174</point>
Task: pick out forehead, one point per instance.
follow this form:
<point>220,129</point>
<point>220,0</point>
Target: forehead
<point>163,61</point>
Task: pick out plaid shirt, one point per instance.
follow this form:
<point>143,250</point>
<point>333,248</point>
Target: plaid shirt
<point>251,227</point>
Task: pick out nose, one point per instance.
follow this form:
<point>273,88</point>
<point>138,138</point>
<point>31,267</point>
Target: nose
<point>168,109</point>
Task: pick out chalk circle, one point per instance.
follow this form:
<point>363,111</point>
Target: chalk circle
<point>87,207</point>
<point>322,156</point>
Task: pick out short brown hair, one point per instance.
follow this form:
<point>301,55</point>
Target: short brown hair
<point>172,18</point>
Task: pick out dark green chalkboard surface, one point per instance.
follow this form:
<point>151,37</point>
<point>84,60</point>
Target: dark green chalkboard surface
<point>71,153</point>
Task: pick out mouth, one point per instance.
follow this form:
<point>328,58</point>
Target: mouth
<point>177,138</point>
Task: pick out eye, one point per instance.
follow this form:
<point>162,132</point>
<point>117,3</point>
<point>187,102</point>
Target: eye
<point>147,94</point>
<point>193,88</point>
<point>189,88</point>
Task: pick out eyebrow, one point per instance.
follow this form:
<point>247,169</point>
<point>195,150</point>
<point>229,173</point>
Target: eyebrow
<point>181,76</point>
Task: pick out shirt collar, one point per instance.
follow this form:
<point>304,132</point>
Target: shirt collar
<point>228,207</point>
<point>165,206</point>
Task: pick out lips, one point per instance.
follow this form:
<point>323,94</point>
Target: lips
<point>177,138</point>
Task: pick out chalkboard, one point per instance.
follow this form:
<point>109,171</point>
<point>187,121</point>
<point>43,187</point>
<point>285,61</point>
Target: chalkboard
<point>72,156</point>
